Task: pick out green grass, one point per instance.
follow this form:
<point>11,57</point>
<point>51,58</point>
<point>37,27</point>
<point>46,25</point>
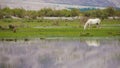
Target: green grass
<point>65,28</point>
<point>59,32</point>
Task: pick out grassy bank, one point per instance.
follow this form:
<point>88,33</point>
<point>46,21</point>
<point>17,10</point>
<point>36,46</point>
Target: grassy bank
<point>58,28</point>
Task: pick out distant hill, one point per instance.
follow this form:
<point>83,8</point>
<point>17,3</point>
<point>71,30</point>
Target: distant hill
<point>100,3</point>
<point>57,4</point>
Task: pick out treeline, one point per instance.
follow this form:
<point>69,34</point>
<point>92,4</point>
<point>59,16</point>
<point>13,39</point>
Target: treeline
<point>103,13</point>
<point>22,13</point>
<point>47,12</point>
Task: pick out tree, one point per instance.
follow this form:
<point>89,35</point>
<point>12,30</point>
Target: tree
<point>45,12</point>
<point>1,14</point>
<point>6,12</point>
<point>117,13</point>
<point>18,12</point>
<point>31,14</point>
<point>75,12</point>
<point>110,11</point>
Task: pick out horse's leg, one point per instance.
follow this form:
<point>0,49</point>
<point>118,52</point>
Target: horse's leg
<point>89,26</point>
<point>98,25</point>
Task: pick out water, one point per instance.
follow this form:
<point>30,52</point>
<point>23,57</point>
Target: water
<point>60,53</point>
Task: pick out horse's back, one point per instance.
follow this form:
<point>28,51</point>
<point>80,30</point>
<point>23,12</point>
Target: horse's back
<point>94,21</point>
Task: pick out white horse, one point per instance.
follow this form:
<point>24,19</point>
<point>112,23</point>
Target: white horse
<point>92,21</point>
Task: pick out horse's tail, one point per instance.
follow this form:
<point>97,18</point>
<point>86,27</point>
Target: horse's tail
<point>86,25</point>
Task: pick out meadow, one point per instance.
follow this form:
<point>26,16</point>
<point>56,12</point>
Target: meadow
<point>44,28</point>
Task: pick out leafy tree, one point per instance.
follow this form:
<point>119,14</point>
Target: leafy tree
<point>18,12</point>
<point>6,12</point>
<point>110,11</point>
<point>45,12</point>
<point>32,14</point>
<point>75,12</point>
<point>1,14</point>
<point>117,13</point>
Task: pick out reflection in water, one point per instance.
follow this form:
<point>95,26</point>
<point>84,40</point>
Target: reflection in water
<point>93,42</point>
<point>56,53</point>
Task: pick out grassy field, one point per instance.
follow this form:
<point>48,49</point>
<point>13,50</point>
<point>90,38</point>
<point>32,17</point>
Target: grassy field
<point>57,28</point>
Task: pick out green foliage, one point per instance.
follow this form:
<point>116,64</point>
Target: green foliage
<point>110,11</point>
<point>48,12</point>
<point>6,12</point>
<point>103,14</point>
<point>18,12</point>
<point>117,13</point>
<point>75,12</point>
<point>1,14</point>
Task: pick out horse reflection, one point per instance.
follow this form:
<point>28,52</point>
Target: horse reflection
<point>94,43</point>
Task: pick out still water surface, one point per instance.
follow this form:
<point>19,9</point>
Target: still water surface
<point>60,53</point>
